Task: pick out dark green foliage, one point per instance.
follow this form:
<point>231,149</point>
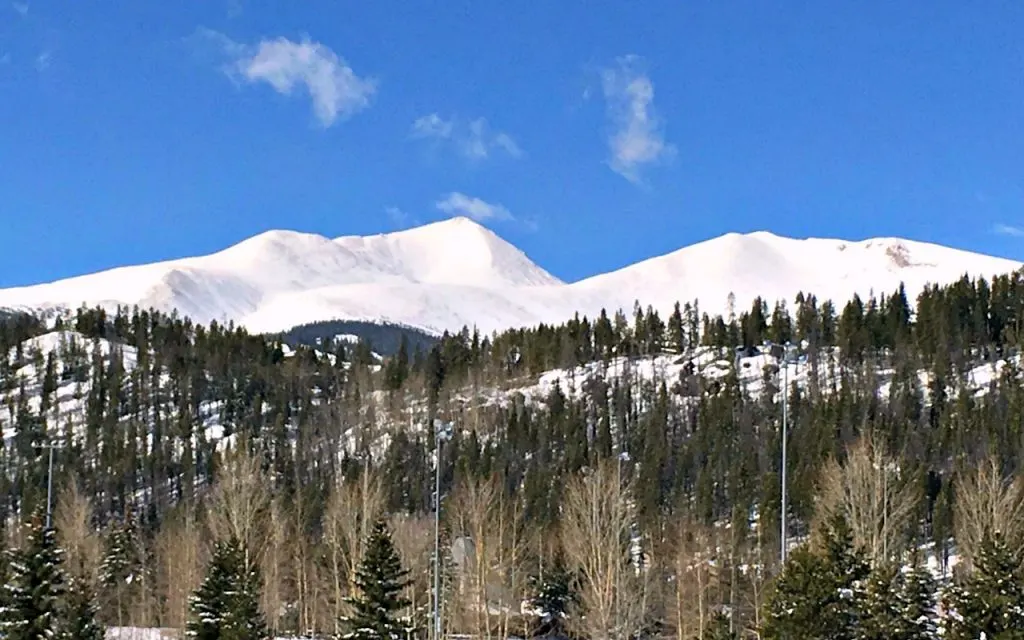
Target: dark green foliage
<point>380,581</point>
<point>990,600</point>
<point>35,588</point>
<point>917,596</point>
<point>552,597</point>
<point>719,628</point>
<point>82,612</point>
<point>819,594</point>
<point>881,608</point>
<point>383,338</point>
<point>120,570</point>
<point>226,604</point>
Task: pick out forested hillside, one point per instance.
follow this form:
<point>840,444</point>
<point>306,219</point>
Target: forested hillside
<point>675,421</point>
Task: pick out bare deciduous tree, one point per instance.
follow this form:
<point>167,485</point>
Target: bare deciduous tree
<point>274,564</point>
<point>179,565</point>
<point>83,547</point>
<point>986,503</point>
<point>696,574</point>
<point>596,538</point>
<point>239,503</point>
<point>305,575</point>
<point>876,497</point>
<point>490,584</point>
<point>352,510</point>
<point>414,539</point>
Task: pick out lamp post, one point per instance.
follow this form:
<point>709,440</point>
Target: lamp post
<point>442,432</point>
<point>787,358</point>
<point>49,483</point>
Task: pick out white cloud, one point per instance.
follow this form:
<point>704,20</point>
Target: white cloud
<point>474,139</point>
<point>638,137</point>
<point>459,204</point>
<point>21,8</point>
<point>398,217</point>
<point>432,126</point>
<point>1009,230</point>
<point>43,60</point>
<point>335,89</point>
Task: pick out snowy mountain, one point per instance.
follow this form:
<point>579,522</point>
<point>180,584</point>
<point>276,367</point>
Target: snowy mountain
<point>454,273</point>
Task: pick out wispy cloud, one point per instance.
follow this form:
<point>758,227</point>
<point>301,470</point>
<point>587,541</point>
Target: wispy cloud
<point>459,204</point>
<point>334,88</point>
<point>21,8</point>
<point>398,217</point>
<point>1009,230</point>
<point>43,60</point>
<point>637,138</point>
<point>473,139</point>
<point>432,126</point>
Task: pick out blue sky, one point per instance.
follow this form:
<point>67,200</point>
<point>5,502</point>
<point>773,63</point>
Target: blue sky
<point>589,134</point>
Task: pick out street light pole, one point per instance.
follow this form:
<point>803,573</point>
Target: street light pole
<point>785,429</point>
<point>49,484</point>
<point>442,431</point>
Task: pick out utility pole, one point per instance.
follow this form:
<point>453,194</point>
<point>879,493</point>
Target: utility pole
<point>787,358</point>
<point>49,484</point>
<point>442,431</point>
<point>785,429</point>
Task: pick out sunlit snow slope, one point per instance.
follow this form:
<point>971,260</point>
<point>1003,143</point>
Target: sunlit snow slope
<point>455,273</point>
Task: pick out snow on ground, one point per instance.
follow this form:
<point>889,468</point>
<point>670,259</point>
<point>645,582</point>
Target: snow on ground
<point>705,363</point>
<point>74,351</point>
<point>708,364</point>
<point>140,633</point>
<point>456,273</point>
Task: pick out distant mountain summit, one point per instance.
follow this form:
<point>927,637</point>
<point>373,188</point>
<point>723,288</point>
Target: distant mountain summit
<point>455,273</point>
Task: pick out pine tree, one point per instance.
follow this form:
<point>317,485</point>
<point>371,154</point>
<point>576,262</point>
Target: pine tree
<point>553,595</point>
<point>243,619</point>
<point>917,590</point>
<point>118,570</point>
<point>991,600</point>
<point>881,611</point>
<point>380,580</point>
<point>34,589</point>
<point>818,593</point>
<point>80,619</point>
<point>226,604</point>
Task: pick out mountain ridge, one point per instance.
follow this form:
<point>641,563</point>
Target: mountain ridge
<point>456,272</point>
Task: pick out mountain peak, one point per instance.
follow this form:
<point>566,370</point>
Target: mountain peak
<point>456,272</point>
<point>454,251</point>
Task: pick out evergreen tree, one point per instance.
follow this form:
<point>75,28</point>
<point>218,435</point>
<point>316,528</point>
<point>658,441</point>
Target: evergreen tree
<point>553,595</point>
<point>917,603</point>
<point>226,604</point>
<point>881,610</point>
<point>80,619</point>
<point>118,570</point>
<point>380,581</point>
<point>35,587</point>
<point>990,602</point>
<point>818,594</point>
<point>243,619</point>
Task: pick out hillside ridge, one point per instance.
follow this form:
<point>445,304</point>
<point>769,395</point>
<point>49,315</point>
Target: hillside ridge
<point>453,273</point>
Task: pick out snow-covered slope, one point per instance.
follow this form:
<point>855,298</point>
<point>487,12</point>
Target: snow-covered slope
<point>776,268</point>
<point>455,273</point>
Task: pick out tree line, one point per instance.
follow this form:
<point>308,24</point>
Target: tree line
<point>245,565</point>
<point>163,400</point>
